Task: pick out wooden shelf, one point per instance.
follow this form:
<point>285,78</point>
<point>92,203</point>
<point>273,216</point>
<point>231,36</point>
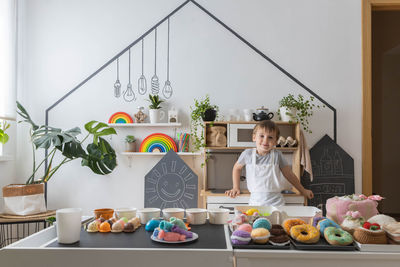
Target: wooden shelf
<point>175,124</point>
<point>131,155</point>
<point>283,149</point>
<point>247,122</point>
<point>245,193</point>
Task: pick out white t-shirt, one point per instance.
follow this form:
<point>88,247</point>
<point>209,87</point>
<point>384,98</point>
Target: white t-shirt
<point>245,158</point>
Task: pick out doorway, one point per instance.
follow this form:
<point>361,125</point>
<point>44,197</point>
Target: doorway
<point>381,94</point>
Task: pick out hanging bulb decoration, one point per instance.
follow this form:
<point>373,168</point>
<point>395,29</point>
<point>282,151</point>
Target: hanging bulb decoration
<point>142,83</point>
<point>117,84</point>
<point>167,90</point>
<point>155,85</point>
<point>129,94</point>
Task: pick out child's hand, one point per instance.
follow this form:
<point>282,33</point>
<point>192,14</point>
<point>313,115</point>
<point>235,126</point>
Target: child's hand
<point>308,193</point>
<point>233,192</point>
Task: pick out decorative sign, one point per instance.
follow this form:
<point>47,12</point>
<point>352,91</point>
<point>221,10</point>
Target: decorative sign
<point>158,142</point>
<point>171,184</point>
<point>333,171</point>
<point>120,117</point>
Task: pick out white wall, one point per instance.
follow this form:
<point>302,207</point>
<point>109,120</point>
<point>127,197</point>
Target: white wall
<point>319,42</point>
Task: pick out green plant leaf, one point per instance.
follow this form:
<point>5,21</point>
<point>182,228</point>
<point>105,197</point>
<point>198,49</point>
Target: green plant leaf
<point>24,114</point>
<point>101,158</point>
<point>98,129</point>
<point>45,136</point>
<point>3,137</point>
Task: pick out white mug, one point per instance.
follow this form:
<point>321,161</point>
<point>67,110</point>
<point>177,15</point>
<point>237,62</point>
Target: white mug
<point>248,114</point>
<point>68,225</point>
<point>156,115</point>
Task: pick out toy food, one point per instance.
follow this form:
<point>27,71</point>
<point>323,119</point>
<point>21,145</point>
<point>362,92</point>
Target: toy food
<point>337,237</point>
<point>129,228</point>
<point>289,223</point>
<point>103,213</point>
<point>240,237</point>
<point>240,219</point>
<point>250,212</point>
<point>178,222</point>
<point>177,229</point>
<point>174,237</point>
<point>124,219</point>
<point>370,234</point>
<point>105,227</point>
<point>316,220</point>
<point>352,221</point>
<point>110,222</point>
<point>151,225</point>
<point>260,235</point>
<point>305,233</point>
<point>93,227</point>
<point>117,227</point>
<point>136,222</point>
<point>164,225</point>
<point>326,223</point>
<point>122,222</point>
<point>393,231</point>
<point>279,240</point>
<point>381,219</point>
<point>262,223</point>
<point>277,229</point>
<point>245,227</point>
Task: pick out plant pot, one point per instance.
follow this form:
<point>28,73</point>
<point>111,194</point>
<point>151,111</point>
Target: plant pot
<point>156,115</point>
<point>209,115</point>
<point>20,199</point>
<point>288,114</point>
<point>130,147</point>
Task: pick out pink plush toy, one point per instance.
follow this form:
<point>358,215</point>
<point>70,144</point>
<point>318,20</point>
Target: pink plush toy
<point>173,237</point>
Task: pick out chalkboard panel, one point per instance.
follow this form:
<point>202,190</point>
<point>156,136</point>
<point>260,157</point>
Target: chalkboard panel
<point>171,184</point>
<point>333,172</point>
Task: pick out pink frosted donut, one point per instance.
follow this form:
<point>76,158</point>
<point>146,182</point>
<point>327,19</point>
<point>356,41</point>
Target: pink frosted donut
<point>245,227</point>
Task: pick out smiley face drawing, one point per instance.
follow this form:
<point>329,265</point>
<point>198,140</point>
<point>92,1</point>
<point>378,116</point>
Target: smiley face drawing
<point>171,184</point>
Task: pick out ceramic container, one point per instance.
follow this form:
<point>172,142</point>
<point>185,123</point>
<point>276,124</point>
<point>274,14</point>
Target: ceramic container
<point>173,212</point>
<point>218,216</point>
<point>196,216</point>
<point>68,225</point>
<point>128,213</point>
<point>147,214</point>
<point>105,213</point>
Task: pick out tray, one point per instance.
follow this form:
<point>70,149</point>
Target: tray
<point>259,246</point>
<point>195,236</point>
<point>377,247</point>
<point>322,245</point>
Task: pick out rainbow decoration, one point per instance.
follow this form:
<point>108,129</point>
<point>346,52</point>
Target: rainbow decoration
<point>158,142</point>
<point>120,117</point>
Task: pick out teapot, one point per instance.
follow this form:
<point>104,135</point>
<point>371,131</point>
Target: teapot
<point>262,114</point>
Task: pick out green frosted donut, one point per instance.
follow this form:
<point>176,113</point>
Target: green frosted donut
<point>336,236</point>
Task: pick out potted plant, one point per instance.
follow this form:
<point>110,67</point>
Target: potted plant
<point>99,156</point>
<point>297,110</point>
<point>3,136</point>
<point>155,114</point>
<point>202,111</point>
<point>130,142</point>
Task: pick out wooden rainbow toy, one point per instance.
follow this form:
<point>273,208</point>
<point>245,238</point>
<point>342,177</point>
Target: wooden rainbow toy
<point>158,142</point>
<point>120,117</point>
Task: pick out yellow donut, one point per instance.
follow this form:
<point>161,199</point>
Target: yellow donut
<point>289,223</point>
<point>305,233</point>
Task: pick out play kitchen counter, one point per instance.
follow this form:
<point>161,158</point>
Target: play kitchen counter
<point>213,248</point>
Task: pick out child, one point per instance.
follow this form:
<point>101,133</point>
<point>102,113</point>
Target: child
<point>267,172</point>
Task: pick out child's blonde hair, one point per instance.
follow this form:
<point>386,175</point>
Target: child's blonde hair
<point>267,125</point>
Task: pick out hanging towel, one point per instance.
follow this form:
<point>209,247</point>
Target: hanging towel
<point>305,159</point>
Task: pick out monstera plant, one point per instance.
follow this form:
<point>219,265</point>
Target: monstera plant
<point>99,156</point>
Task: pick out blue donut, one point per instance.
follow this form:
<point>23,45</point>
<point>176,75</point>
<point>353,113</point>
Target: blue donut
<point>326,223</point>
<point>262,223</point>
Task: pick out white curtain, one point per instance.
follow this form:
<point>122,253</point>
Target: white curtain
<point>8,33</point>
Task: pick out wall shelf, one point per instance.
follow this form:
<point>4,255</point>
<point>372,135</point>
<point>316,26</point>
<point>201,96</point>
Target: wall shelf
<point>131,155</point>
<point>176,124</point>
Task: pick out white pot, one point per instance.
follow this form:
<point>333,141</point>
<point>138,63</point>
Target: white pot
<point>128,213</point>
<point>288,114</point>
<point>130,147</point>
<point>156,115</point>
<point>173,212</point>
<point>68,225</point>
<point>218,216</point>
<point>196,216</point>
<point>147,214</point>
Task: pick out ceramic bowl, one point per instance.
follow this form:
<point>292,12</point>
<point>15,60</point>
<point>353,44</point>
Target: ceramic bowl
<point>196,216</point>
<point>147,214</point>
<point>105,213</point>
<point>128,213</point>
<point>173,212</point>
<point>218,216</point>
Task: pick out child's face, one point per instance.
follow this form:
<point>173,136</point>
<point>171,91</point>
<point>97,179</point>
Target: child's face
<point>265,140</point>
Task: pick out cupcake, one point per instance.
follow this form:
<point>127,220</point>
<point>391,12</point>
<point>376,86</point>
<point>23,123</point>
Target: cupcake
<point>136,222</point>
<point>370,234</point>
<point>105,227</point>
<point>93,227</point>
<point>260,235</point>
<point>117,227</point>
<point>129,228</point>
<point>352,221</point>
<point>240,237</point>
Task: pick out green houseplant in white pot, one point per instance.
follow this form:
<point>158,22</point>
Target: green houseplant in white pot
<point>99,156</point>
<point>298,109</point>
<point>130,143</point>
<point>155,114</point>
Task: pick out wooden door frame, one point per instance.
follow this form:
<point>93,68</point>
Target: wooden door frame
<point>367,7</point>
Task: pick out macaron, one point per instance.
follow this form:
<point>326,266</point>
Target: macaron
<point>260,235</point>
<point>240,237</point>
<point>262,223</point>
<point>245,227</point>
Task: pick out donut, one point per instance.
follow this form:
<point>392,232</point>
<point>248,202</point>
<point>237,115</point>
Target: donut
<point>316,220</point>
<point>326,223</point>
<point>260,235</point>
<point>280,240</point>
<point>277,229</point>
<point>262,223</point>
<point>305,233</point>
<point>337,237</point>
<point>240,237</point>
<point>289,223</point>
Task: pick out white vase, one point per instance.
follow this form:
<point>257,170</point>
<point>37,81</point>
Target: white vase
<point>288,114</point>
<point>156,115</point>
<point>130,147</point>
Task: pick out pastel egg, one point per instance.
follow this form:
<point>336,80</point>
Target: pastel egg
<point>151,225</point>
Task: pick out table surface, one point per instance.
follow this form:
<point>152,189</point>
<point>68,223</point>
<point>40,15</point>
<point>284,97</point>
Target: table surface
<point>211,236</point>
